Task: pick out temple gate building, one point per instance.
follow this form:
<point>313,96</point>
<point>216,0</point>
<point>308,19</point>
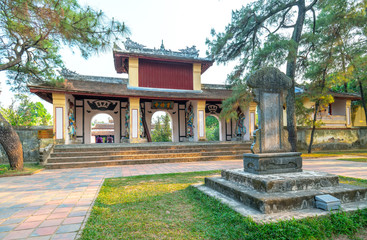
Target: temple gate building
<point>158,80</point>
<point>162,80</point>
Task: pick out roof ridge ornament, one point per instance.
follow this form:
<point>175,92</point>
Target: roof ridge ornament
<point>134,47</point>
<point>131,45</point>
<point>67,72</point>
<point>190,51</point>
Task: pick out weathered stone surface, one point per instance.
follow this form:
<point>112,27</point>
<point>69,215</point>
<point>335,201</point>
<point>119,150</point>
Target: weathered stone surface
<point>283,201</point>
<point>332,138</point>
<point>259,217</point>
<point>272,163</point>
<point>285,182</point>
<point>270,88</point>
<point>30,143</point>
<point>271,78</point>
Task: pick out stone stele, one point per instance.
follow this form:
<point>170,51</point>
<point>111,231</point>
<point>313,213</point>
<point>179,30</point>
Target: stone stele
<point>270,88</point>
<point>272,180</point>
<point>285,192</point>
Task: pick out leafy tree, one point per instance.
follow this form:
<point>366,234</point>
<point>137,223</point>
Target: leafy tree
<point>240,99</point>
<point>162,130</point>
<point>32,33</point>
<point>212,128</point>
<point>359,65</point>
<point>330,48</point>
<point>259,36</point>
<point>27,113</point>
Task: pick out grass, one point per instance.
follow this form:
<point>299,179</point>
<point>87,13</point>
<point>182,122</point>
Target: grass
<point>353,181</point>
<point>353,159</point>
<point>320,154</point>
<point>167,207</point>
<point>28,169</point>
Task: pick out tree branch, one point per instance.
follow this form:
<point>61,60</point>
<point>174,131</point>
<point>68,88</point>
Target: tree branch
<point>311,5</point>
<point>314,20</point>
<point>283,20</point>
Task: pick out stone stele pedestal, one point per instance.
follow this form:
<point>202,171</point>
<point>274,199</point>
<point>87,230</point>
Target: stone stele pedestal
<point>272,180</point>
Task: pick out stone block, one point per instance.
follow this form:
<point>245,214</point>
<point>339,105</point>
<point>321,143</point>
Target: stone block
<point>272,163</point>
<point>327,202</point>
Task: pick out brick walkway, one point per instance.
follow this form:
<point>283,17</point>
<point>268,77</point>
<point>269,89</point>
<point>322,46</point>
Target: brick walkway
<point>53,204</point>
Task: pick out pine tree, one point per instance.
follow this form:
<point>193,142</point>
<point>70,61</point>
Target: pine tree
<point>162,130</point>
<point>32,34</point>
<point>258,36</point>
<point>330,50</point>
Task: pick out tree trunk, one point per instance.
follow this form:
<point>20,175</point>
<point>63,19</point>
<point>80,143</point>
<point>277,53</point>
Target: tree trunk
<point>317,105</point>
<point>363,99</point>
<point>313,126</point>
<point>10,141</point>
<point>291,72</point>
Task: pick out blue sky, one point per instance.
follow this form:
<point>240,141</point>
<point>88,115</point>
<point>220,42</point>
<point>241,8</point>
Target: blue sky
<point>178,23</point>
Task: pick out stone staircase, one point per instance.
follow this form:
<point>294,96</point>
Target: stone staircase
<point>97,155</point>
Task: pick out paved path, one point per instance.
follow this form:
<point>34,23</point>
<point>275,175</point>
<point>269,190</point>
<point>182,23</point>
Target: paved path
<point>343,168</point>
<point>53,204</point>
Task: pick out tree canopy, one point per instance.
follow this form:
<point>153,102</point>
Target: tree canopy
<point>24,112</point>
<point>32,33</point>
<point>265,33</point>
<point>162,131</point>
<point>295,33</point>
<point>212,128</point>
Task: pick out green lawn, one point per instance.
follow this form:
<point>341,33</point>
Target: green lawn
<point>29,168</point>
<point>354,159</point>
<point>167,207</point>
<point>352,152</point>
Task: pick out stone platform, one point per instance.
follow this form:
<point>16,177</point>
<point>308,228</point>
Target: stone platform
<point>272,163</point>
<point>259,217</point>
<point>282,192</point>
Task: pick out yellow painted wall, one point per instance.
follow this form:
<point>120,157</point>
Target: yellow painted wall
<point>197,76</point>
<point>134,72</point>
<point>134,104</point>
<point>201,107</point>
<point>59,100</point>
<point>307,103</point>
<point>359,117</point>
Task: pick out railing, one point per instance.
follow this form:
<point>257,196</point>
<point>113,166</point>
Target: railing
<point>333,120</point>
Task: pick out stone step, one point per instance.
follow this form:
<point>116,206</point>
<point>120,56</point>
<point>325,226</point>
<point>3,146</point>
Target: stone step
<point>142,161</point>
<point>283,182</point>
<point>150,146</point>
<point>150,151</point>
<point>143,156</point>
<point>283,201</point>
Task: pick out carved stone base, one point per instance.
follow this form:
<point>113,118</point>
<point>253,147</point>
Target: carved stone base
<point>272,163</point>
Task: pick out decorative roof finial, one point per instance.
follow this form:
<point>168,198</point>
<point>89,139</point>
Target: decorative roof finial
<point>190,51</point>
<point>67,72</point>
<point>131,45</point>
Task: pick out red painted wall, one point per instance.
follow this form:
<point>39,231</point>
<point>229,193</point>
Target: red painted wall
<point>156,74</point>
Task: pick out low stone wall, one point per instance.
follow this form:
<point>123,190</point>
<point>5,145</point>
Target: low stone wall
<point>31,144</point>
<point>332,138</point>
<point>362,133</point>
